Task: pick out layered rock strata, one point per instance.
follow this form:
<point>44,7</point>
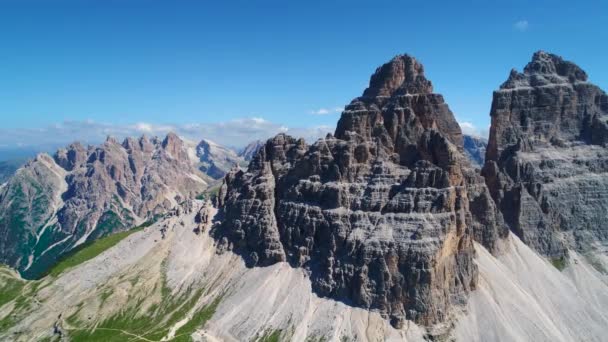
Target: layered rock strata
<point>379,213</point>
<point>547,161</point>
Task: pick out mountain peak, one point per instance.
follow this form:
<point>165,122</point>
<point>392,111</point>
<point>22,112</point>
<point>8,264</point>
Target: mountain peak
<point>548,63</point>
<point>545,69</point>
<point>401,75</point>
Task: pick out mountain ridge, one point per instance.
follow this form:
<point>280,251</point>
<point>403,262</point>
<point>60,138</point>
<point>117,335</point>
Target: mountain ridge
<point>94,190</point>
<point>383,230</point>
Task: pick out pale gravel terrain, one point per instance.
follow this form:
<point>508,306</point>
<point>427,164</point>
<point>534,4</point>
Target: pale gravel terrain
<point>520,297</point>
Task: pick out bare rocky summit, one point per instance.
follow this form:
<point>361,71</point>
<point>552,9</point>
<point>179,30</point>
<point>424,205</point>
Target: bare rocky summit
<point>547,161</point>
<point>54,204</point>
<point>379,213</point>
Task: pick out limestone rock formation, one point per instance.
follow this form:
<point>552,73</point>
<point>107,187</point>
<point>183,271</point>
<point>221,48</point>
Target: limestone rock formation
<point>249,151</point>
<point>53,204</point>
<point>382,214</point>
<point>475,149</point>
<point>547,161</point>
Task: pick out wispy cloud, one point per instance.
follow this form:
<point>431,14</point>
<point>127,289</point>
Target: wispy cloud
<point>521,25</point>
<point>235,133</point>
<point>469,128</point>
<point>327,111</point>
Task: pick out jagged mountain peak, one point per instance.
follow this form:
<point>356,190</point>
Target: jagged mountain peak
<point>548,63</point>
<point>397,121</point>
<point>545,69</point>
<point>550,103</point>
<point>385,198</point>
<point>400,76</point>
<point>56,203</point>
<point>546,156</point>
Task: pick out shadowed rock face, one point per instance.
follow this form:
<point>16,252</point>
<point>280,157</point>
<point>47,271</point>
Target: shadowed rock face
<point>547,160</point>
<point>53,204</point>
<point>379,214</point>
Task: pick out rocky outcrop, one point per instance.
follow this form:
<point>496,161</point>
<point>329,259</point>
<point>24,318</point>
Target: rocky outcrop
<point>475,149</point>
<point>382,214</point>
<point>53,204</point>
<point>547,161</point>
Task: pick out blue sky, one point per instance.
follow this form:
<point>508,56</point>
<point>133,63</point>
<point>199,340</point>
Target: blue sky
<point>82,69</point>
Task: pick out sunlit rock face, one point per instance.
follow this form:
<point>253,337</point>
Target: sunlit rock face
<point>547,159</point>
<point>53,204</point>
<point>379,213</point>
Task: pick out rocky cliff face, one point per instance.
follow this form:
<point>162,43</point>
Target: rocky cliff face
<point>53,204</point>
<point>547,161</point>
<point>475,149</point>
<point>382,214</point>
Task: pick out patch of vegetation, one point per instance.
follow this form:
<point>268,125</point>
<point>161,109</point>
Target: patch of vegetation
<point>271,336</point>
<point>150,323</point>
<point>10,286</point>
<point>16,291</point>
<point>88,251</point>
<point>106,294</point>
<point>198,320</point>
<point>109,222</point>
<point>214,190</point>
<point>315,339</point>
<point>41,265</point>
<point>559,263</point>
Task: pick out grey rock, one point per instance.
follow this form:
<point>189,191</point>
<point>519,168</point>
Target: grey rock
<point>547,161</point>
<point>382,214</point>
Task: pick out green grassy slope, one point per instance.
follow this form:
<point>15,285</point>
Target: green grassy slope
<point>90,250</point>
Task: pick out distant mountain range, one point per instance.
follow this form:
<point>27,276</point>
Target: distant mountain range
<point>8,168</point>
<point>393,228</point>
<point>53,204</point>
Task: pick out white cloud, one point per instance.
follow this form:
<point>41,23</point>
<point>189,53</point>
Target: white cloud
<point>469,128</point>
<point>521,25</point>
<point>234,133</point>
<point>327,111</point>
<point>143,127</point>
